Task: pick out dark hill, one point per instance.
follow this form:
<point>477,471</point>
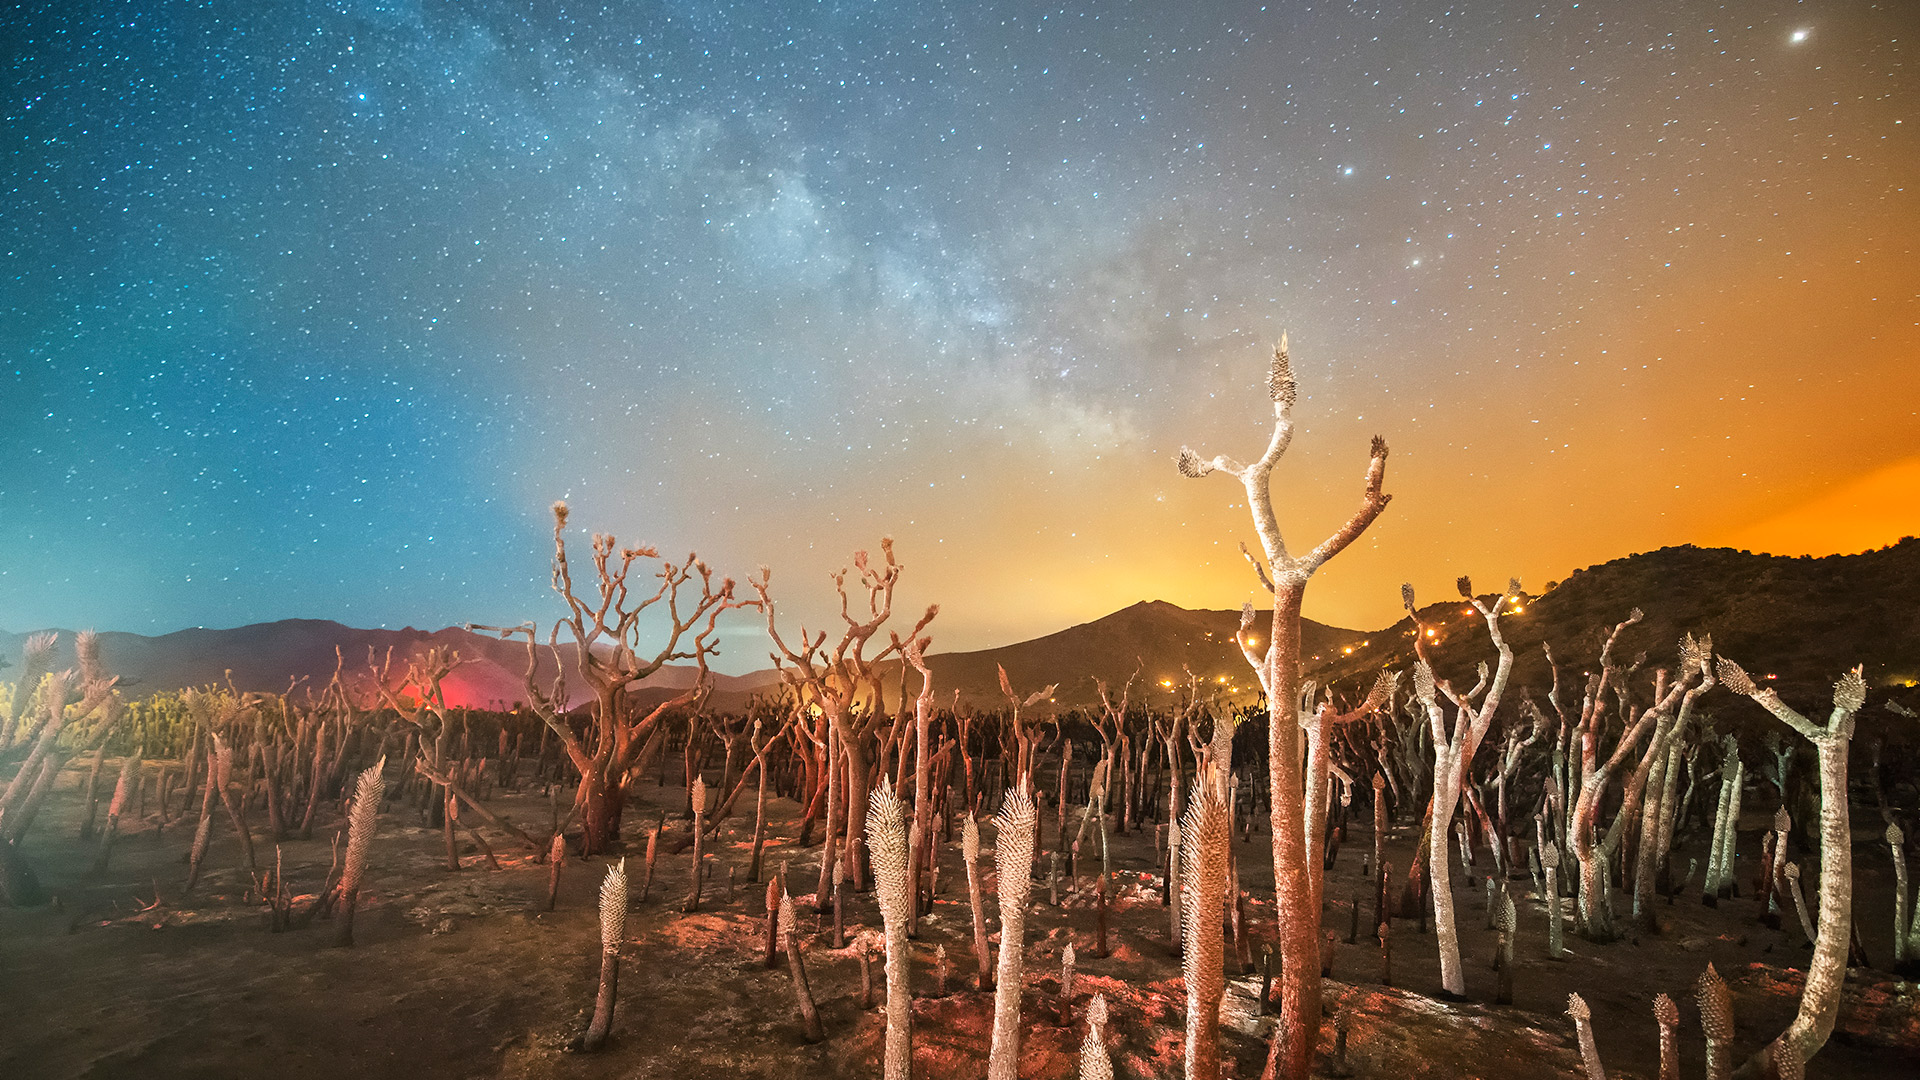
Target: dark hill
<point>1803,620</point>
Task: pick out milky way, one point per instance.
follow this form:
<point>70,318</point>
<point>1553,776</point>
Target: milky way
<point>314,309</point>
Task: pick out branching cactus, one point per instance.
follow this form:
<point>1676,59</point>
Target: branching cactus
<point>1013,860</point>
<point>1716,1020</point>
<point>1094,1062</point>
<point>982,955</point>
<point>362,820</point>
<point>887,846</point>
<point>1583,1027</point>
<point>1667,1015</point>
<point>613,927</point>
<point>1206,832</point>
<point>1277,662</point>
<point>1820,1000</point>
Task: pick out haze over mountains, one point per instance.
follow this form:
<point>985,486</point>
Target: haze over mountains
<point>1802,620</point>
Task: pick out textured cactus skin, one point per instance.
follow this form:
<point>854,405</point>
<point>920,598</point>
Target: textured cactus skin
<point>982,953</point>
<point>1205,834</point>
<point>1013,859</point>
<point>1583,1026</point>
<point>1716,1019</point>
<point>613,927</point>
<point>362,820</point>
<point>888,848</point>
<point>1094,1062</point>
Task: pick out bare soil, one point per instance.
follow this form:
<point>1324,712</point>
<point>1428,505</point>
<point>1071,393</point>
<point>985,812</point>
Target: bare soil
<point>467,975</point>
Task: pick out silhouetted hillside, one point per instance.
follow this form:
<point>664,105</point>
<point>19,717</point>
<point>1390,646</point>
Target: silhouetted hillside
<point>1802,620</point>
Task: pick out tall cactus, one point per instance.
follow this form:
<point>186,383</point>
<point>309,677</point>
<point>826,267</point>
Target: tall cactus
<point>1667,1014</point>
<point>1013,859</point>
<point>1583,1026</point>
<point>1205,832</point>
<point>982,954</point>
<point>1820,998</point>
<point>888,848</point>
<point>362,820</point>
<point>1716,1020</point>
<point>1550,859</point>
<point>613,927</point>
<point>1898,842</point>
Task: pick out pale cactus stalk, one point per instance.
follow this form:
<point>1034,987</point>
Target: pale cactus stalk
<point>1716,1020</point>
<point>1453,752</point>
<point>1506,920</point>
<point>613,927</point>
<point>1649,852</point>
<point>1094,1062</point>
<point>970,853</point>
<point>1013,860</point>
<point>362,819</point>
<point>1176,912</point>
<point>1550,860</point>
<point>1898,842</point>
<point>203,832</point>
<point>1285,575</point>
<point>122,790</point>
<point>1719,850</point>
<point>699,795</point>
<point>1667,1015</point>
<point>788,929</point>
<point>1792,873</point>
<point>889,848</point>
<point>1206,833</point>
<point>1820,998</point>
<point>1583,1027</point>
<point>1728,877</point>
<point>940,970</point>
<point>1066,984</point>
<point>556,857</point>
<point>1782,822</point>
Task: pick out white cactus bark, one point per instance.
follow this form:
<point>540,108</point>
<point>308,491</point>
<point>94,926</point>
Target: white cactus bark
<point>1285,575</point>
<point>1583,1027</point>
<point>1013,860</point>
<point>1206,833</point>
<point>1820,998</point>
<point>888,847</point>
<point>1094,1062</point>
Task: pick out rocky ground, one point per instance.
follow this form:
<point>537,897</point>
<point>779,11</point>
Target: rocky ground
<point>468,975</point>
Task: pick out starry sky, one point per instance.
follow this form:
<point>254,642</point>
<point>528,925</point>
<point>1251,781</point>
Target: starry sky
<point>313,309</point>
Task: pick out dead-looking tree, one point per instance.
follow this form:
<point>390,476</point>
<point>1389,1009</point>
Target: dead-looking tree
<point>1278,668</point>
<point>844,685</point>
<point>607,626</point>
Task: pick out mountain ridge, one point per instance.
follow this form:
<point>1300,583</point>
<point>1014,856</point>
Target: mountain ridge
<point>1803,620</point>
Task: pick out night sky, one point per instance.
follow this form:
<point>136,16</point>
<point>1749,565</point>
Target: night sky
<point>313,309</point>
